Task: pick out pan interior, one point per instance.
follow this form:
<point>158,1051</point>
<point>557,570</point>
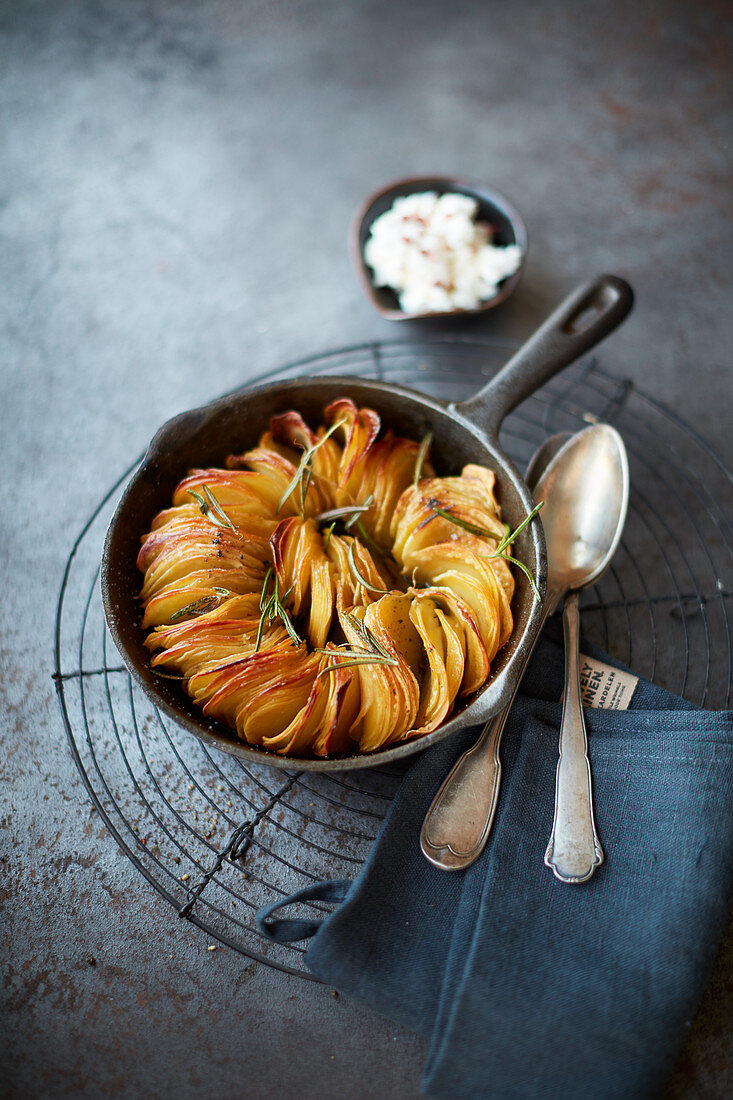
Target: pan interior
<point>204,437</point>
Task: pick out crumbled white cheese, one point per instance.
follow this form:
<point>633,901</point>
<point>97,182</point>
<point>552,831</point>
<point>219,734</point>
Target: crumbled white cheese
<point>430,250</point>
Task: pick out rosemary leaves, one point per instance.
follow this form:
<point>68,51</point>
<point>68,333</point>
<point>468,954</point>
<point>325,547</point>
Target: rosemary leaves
<point>210,508</point>
<point>360,577</point>
<point>422,454</point>
<point>508,538</point>
<point>304,474</point>
<point>271,608</point>
<point>373,651</point>
<point>202,605</point>
<point>350,513</point>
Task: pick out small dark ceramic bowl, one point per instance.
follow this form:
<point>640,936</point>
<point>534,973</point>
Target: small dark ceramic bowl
<point>492,208</point>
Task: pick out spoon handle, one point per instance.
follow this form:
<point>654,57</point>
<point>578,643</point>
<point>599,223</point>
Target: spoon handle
<point>574,850</point>
<point>458,823</point>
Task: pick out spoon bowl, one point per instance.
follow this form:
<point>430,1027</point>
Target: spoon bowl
<point>588,483</point>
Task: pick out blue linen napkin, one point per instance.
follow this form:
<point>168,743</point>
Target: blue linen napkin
<point>528,987</point>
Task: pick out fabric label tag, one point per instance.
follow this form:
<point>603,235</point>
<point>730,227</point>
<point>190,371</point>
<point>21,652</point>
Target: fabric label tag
<point>605,687</point>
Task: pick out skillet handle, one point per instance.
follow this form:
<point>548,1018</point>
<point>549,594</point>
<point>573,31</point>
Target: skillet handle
<point>579,323</point>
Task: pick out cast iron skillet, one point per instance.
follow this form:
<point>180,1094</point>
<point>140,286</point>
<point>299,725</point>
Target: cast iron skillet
<point>462,433</point>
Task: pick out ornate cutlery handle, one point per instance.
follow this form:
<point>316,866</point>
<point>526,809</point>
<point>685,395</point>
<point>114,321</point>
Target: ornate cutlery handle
<point>574,850</point>
<point>458,823</point>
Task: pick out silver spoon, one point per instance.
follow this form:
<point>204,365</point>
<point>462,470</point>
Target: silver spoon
<point>589,494</point>
<point>459,821</point>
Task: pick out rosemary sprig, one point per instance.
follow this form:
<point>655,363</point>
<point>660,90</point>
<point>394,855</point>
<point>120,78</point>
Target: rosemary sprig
<point>329,532</point>
<point>369,640</point>
<point>358,512</point>
<point>305,484</point>
<point>366,538</point>
<point>352,662</point>
<point>304,474</point>
<point>472,528</point>
<point>202,605</point>
<point>288,624</point>
<point>422,454</point>
<point>261,625</point>
<point>264,595</point>
<point>271,608</point>
<point>351,515</point>
<point>362,580</point>
<point>210,508</point>
<point>520,565</point>
<point>353,511</point>
<point>373,653</point>
<point>509,537</point>
<point>356,654</point>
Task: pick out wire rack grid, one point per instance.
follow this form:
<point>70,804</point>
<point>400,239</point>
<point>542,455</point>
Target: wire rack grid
<point>218,837</point>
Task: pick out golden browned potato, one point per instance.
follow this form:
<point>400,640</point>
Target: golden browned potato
<point>327,592</point>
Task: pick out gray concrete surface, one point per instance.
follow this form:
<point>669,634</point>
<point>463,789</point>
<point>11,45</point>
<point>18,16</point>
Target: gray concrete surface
<point>176,180</point>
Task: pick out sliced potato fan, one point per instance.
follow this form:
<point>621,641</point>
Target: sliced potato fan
<point>327,593</point>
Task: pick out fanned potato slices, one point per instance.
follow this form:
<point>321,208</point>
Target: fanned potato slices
<point>304,568</point>
<point>464,624</point>
<point>417,524</point>
<point>226,691</point>
<point>473,579</point>
<point>290,428</point>
<point>390,694</point>
<point>188,561</point>
<point>240,493</point>
<point>358,429</point>
<point>323,723</point>
<point>279,472</point>
<point>353,591</point>
<point>312,596</point>
<point>443,648</point>
<point>226,632</point>
<point>388,470</point>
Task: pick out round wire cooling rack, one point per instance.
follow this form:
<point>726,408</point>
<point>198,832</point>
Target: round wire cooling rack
<point>218,837</point>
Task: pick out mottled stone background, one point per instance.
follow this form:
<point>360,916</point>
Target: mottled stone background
<point>176,182</point>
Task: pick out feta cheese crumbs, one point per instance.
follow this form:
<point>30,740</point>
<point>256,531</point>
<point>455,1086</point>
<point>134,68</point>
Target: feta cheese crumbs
<point>430,250</point>
<point>211,947</point>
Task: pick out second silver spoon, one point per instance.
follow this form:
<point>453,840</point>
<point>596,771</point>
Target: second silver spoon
<point>583,527</point>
